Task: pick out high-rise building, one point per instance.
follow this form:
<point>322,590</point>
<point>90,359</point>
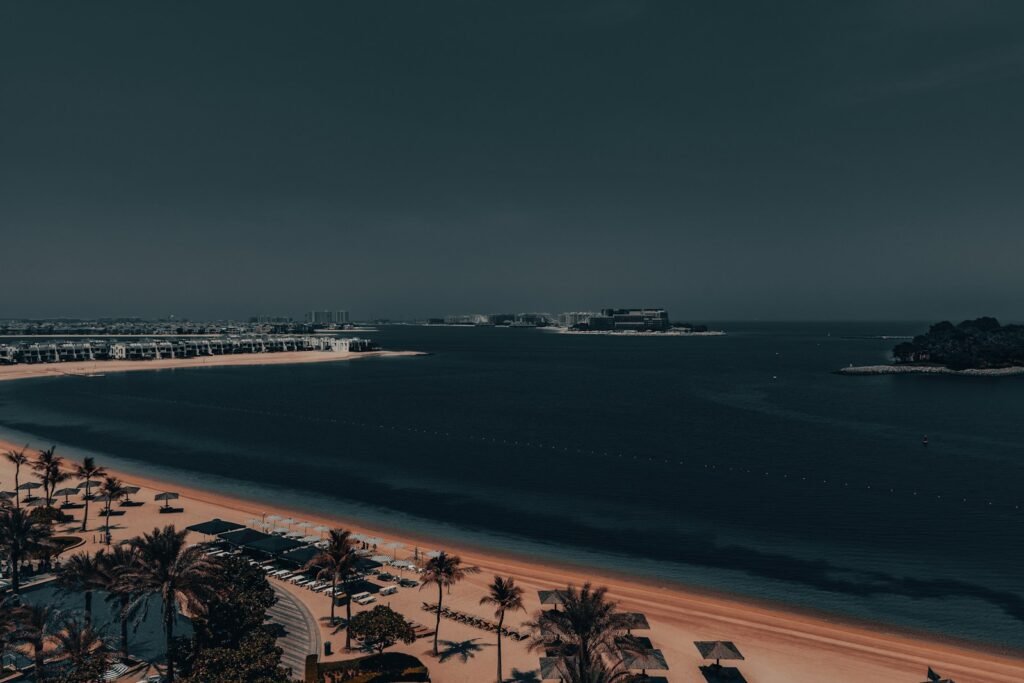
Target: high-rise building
<point>638,319</point>
<point>327,317</point>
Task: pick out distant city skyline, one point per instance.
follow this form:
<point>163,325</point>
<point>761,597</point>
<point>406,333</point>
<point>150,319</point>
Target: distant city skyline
<point>782,161</point>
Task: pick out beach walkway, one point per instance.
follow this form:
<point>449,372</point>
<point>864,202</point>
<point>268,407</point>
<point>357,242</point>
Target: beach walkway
<point>300,635</point>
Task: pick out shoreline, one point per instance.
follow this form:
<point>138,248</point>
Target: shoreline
<point>868,370</point>
<point>858,650</point>
<point>102,367</point>
<point>610,333</point>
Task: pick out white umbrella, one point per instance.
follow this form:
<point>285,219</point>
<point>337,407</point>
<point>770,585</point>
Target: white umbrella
<point>273,518</point>
<point>433,553</point>
<point>394,545</point>
<point>280,530</point>
<point>303,525</point>
<point>372,540</point>
<point>309,539</point>
<point>381,558</point>
<point>294,534</point>
<point>288,520</point>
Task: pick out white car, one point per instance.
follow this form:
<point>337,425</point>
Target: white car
<point>363,598</point>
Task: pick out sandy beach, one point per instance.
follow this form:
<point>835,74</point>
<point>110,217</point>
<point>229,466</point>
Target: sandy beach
<point>779,645</point>
<point>12,372</point>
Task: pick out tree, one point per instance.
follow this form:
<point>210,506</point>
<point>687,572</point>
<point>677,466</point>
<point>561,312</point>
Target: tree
<point>47,466</point>
<point>583,633</point>
<point>17,458</point>
<point>256,660</point>
<point>338,561</point>
<point>88,470</point>
<point>180,575</point>
<point>34,629</point>
<point>114,564</point>
<point>21,534</point>
<point>381,627</point>
<point>445,571</point>
<point>111,490</point>
<point>237,608</point>
<point>84,651</point>
<point>506,596</point>
<point>81,573</point>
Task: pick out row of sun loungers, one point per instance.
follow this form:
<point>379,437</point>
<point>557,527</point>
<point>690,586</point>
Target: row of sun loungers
<point>473,620</point>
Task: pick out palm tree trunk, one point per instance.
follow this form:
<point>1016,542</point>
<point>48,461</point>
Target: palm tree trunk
<point>501,620</point>
<point>348,616</point>
<point>38,653</point>
<point>106,532</point>
<point>169,631</point>
<point>334,599</point>
<point>85,514</point>
<point>17,483</point>
<point>88,607</point>
<point>437,624</point>
<point>124,626</point>
<point>15,561</point>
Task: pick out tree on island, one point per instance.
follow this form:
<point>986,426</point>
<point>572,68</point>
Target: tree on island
<point>445,571</point>
<point>506,596</point>
<point>380,628</point>
<point>979,343</point>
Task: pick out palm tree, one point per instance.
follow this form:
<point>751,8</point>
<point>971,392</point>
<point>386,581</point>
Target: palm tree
<point>583,632</point>
<point>506,596</point>
<point>46,464</point>
<point>81,573</point>
<point>17,458</point>
<point>21,535</point>
<point>444,570</point>
<point>180,575</point>
<point>33,629</point>
<point>337,560</point>
<point>114,563</point>
<point>88,470</point>
<point>112,489</point>
<point>82,646</point>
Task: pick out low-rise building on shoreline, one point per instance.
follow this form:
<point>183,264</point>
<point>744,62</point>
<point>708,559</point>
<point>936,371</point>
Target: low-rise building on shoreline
<point>62,351</point>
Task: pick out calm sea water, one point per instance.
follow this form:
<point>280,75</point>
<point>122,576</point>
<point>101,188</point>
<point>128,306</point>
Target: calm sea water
<point>738,463</point>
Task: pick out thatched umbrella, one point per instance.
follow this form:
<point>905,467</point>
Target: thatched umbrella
<point>166,496</point>
<point>129,491</point>
<point>67,493</point>
<point>717,650</point>
<point>644,659</point>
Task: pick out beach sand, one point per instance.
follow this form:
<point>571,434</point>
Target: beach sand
<point>12,372</point>
<point>779,645</point>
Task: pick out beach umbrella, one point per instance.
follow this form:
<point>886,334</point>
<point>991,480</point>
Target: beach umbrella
<point>381,558</point>
<point>273,518</point>
<point>166,496</point>
<point>321,529</point>
<point>29,486</point>
<point>717,650</point>
<point>309,539</point>
<point>281,530</point>
<point>553,668</point>
<point>635,620</point>
<point>294,534</point>
<point>303,525</point>
<point>6,495</point>
<point>254,522</point>
<point>431,554</point>
<point>644,659</point>
<point>129,491</point>
<point>66,492</point>
<point>89,484</point>
<point>552,597</point>
<point>394,545</point>
<point>288,521</point>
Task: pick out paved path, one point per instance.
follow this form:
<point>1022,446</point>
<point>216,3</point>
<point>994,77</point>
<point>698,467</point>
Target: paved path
<point>301,634</point>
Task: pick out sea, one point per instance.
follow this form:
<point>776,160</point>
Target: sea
<point>738,464</point>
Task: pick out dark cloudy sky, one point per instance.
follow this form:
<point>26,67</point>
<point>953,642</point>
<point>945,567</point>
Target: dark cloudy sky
<point>724,159</point>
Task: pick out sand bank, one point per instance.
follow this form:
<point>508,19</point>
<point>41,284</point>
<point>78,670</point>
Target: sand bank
<point>779,645</point>
<point>90,368</point>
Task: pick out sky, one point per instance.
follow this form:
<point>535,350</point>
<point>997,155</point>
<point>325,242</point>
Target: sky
<point>726,160</point>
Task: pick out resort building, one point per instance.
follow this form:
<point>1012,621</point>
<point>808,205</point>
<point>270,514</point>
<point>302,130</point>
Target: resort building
<point>628,319</point>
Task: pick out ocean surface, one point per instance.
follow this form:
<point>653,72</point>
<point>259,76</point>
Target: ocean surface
<point>737,463</point>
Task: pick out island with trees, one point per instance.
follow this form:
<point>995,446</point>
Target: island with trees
<point>973,347</point>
